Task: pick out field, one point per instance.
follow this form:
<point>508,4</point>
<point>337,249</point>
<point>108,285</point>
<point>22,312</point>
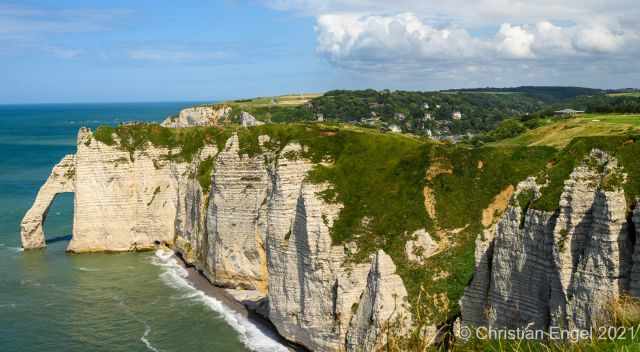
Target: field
<point>559,133</point>
<point>629,94</point>
<point>283,100</point>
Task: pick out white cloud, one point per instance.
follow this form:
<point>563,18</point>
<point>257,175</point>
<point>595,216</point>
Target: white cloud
<point>351,40</point>
<point>598,39</point>
<point>452,38</point>
<point>397,38</point>
<point>515,41</point>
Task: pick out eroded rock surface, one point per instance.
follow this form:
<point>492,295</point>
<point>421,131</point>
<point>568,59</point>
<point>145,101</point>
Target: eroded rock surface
<point>539,269</point>
<point>260,227</point>
<point>421,247</point>
<point>61,180</point>
<point>198,116</point>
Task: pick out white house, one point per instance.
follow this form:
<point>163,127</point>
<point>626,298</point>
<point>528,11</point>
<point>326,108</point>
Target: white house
<point>457,115</point>
<point>395,128</point>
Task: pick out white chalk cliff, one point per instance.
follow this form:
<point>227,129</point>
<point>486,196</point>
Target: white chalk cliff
<point>541,269</point>
<point>198,116</point>
<point>262,226</point>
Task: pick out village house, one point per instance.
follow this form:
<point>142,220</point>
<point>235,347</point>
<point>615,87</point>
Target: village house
<point>568,112</point>
<point>400,116</point>
<point>456,115</point>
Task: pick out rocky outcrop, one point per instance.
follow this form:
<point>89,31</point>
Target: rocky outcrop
<point>61,180</point>
<point>248,120</point>
<point>260,226</point>
<point>198,116</point>
<point>541,269</point>
<point>236,220</point>
<point>635,270</point>
<point>382,310</point>
<point>314,291</point>
<point>420,247</point>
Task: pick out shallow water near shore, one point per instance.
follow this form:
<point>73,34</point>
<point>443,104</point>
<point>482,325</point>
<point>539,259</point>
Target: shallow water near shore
<point>54,301</point>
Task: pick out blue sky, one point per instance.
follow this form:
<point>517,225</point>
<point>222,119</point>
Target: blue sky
<point>93,51</point>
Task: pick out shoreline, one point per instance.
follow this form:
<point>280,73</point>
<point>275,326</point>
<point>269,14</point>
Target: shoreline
<point>201,283</point>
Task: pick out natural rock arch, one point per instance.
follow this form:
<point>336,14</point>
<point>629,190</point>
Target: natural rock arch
<point>61,180</point>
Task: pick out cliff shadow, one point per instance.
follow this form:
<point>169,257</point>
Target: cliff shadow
<point>57,220</point>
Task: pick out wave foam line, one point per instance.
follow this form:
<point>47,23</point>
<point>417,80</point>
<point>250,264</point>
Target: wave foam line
<point>143,338</point>
<point>147,327</point>
<point>250,335</point>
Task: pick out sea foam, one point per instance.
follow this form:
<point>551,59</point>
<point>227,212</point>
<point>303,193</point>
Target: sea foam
<point>251,336</point>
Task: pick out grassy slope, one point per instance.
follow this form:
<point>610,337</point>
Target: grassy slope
<point>617,134</point>
<point>284,108</point>
<point>560,133</point>
<point>628,94</point>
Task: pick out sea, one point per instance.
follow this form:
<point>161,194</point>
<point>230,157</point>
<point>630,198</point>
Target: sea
<point>54,301</point>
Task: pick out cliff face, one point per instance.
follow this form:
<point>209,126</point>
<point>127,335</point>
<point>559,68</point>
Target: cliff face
<point>261,226</point>
<point>198,116</point>
<point>564,268</point>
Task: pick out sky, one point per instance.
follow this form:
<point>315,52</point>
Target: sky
<point>160,50</point>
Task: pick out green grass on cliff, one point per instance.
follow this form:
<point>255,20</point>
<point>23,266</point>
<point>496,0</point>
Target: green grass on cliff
<point>189,141</point>
<point>560,132</point>
<point>625,148</point>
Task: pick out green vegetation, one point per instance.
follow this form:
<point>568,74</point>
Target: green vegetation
<point>507,129</point>
<point>628,94</point>
<point>481,112</point>
<point>547,94</point>
<point>460,198</point>
<point>286,108</point>
<point>624,147</point>
<point>560,132</point>
<point>204,174</point>
<point>616,134</point>
<point>625,103</point>
<point>132,138</point>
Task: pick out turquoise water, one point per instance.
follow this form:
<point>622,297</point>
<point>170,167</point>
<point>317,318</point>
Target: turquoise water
<point>53,301</point>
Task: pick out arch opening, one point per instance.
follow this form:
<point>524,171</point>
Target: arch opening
<point>61,180</point>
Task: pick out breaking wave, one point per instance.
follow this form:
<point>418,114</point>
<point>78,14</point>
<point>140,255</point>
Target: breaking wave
<point>251,336</point>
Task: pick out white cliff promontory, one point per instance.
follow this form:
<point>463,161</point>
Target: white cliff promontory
<point>540,269</point>
<point>198,116</point>
<point>260,226</point>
